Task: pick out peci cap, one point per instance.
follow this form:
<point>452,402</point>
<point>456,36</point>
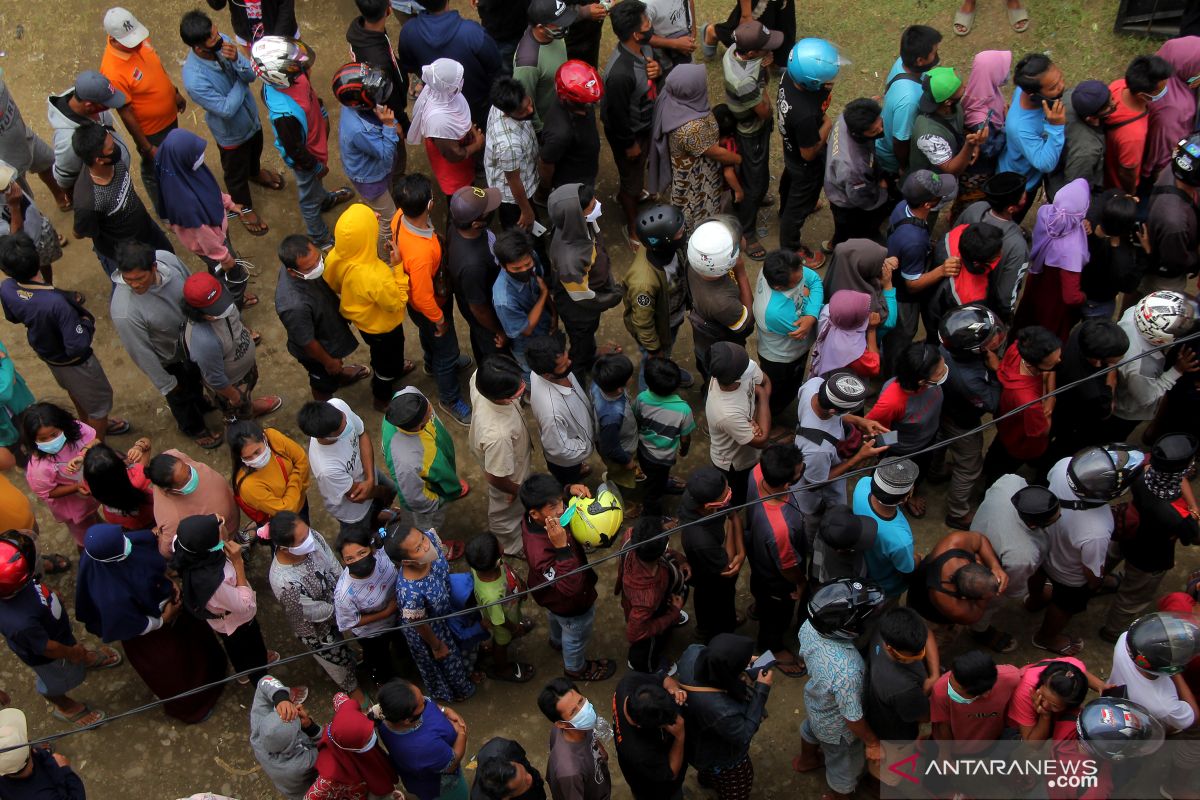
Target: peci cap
<point>923,186</point>
<point>753,35</point>
<point>205,293</point>
<point>552,12</point>
<point>842,391</point>
<point>893,480</point>
<point>1037,506</point>
<point>939,84</point>
<point>1005,187</point>
<point>406,409</point>
<point>727,362</point>
<point>842,529</point>
<point>471,203</point>
<point>92,87</point>
<point>14,731</point>
<point>1089,98</point>
<point>1174,453</point>
<point>122,25</point>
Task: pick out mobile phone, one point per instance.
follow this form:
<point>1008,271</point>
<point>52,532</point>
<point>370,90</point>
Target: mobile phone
<point>761,664</point>
<point>538,228</point>
<point>887,439</point>
<point>1120,692</point>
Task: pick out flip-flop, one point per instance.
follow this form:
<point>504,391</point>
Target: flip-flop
<point>336,198</point>
<point>259,228</point>
<point>798,668</point>
<point>600,669</point>
<point>209,440</point>
<point>67,205</point>
<point>58,564</point>
<point>275,186</point>
<point>117,426</point>
<point>1018,17</point>
<point>964,20</point>
<point>63,241</point>
<point>1073,647</point>
<point>85,717</point>
<point>109,658</point>
<point>755,251</point>
<point>454,549</point>
<point>913,511</point>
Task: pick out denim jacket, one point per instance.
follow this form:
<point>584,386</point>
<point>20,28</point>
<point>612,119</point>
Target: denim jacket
<point>222,89</point>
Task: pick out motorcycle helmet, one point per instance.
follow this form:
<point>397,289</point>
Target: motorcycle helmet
<point>578,82</point>
<point>714,248</point>
<point>966,330</point>
<point>1114,729</point>
<point>1163,316</point>
<point>813,63</point>
<point>594,521</point>
<point>1185,161</point>
<point>839,610</point>
<point>1103,473</point>
<point>17,559</point>
<point>1163,642</point>
<point>279,60</point>
<point>657,226</point>
<point>361,86</point>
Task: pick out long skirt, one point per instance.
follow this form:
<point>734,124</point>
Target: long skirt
<point>175,658</point>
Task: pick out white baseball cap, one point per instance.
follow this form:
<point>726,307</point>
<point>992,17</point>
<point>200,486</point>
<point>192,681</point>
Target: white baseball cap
<point>122,25</point>
<point>13,731</point>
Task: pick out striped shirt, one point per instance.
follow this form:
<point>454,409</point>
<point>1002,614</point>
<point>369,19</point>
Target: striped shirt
<point>662,421</point>
<point>354,597</point>
<point>422,463</point>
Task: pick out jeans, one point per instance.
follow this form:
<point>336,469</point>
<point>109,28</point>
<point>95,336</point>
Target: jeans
<point>646,655</point>
<point>387,360</point>
<point>149,177</point>
<point>441,354</point>
<point>240,164</point>
<point>1101,310</point>
<point>845,759</point>
<point>187,401</point>
<point>572,634</point>
<point>755,175</point>
<point>312,194</point>
<point>799,189</point>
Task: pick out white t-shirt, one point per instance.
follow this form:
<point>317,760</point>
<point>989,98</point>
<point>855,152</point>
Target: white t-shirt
<point>1080,537</point>
<point>338,466</point>
<point>730,415</point>
<point>819,457</point>
<point>670,18</point>
<point>1159,695</point>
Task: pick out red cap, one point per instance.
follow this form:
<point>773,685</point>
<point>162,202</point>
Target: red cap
<point>204,292</point>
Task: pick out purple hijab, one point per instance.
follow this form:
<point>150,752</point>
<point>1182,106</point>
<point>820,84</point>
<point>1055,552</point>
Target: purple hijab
<point>841,331</point>
<point>1058,236</point>
<point>188,193</point>
<point>684,98</point>
<point>989,71</point>
<point>1173,117</point>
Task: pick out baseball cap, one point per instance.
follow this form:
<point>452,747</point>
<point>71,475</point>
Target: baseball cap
<point>727,361</point>
<point>1089,98</point>
<point>753,35</point>
<point>922,186</point>
<point>707,485</point>
<point>122,25</point>
<point>893,480</point>
<point>205,293</point>
<point>92,87</point>
<point>842,391</point>
<point>939,83</point>
<point>552,12</point>
<point>8,174</point>
<point>13,731</point>
<point>470,203</point>
<point>842,529</point>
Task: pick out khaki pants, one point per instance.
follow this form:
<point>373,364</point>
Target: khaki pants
<point>965,457</point>
<point>504,520</point>
<point>1137,591</point>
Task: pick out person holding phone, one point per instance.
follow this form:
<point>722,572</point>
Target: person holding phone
<point>1034,132</point>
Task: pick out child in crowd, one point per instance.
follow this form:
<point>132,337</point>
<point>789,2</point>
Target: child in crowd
<point>727,131</point>
<point>664,427</point>
<point>495,581</point>
<point>618,431</point>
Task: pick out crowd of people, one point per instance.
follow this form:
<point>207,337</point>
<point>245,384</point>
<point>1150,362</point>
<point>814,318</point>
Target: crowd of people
<point>878,355</point>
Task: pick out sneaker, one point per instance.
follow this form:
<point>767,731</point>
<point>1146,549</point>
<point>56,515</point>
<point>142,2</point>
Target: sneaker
<point>459,410</point>
<point>686,379</point>
<point>683,619</point>
<point>298,694</point>
<point>464,362</point>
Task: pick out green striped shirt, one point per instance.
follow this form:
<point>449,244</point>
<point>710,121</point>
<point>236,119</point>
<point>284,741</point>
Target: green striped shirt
<point>661,422</point>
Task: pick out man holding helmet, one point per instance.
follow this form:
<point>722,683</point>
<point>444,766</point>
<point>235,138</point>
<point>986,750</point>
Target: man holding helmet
<point>369,138</point>
<point>721,295</point>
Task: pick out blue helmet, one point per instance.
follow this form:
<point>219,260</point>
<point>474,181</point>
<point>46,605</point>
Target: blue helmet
<point>813,62</point>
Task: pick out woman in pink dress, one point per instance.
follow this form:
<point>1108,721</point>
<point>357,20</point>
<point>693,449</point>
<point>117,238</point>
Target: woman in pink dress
<point>57,442</point>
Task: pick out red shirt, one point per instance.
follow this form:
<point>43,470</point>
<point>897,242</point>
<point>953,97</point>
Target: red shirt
<point>1125,145</point>
<point>974,726</point>
<point>1026,435</point>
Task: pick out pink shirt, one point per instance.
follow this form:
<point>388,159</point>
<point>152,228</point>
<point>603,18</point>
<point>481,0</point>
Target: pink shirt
<point>1020,708</point>
<point>234,605</point>
<point>207,240</point>
<point>45,472</point>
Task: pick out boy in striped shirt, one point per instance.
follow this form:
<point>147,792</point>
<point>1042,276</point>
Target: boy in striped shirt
<point>665,424</point>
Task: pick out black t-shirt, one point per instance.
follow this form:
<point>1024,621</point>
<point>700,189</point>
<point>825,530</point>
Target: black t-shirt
<point>473,270</point>
<point>895,702</point>
<point>32,619</point>
<point>1087,404</point>
<point>511,751</point>
<point>504,20</point>
<point>703,542</point>
<point>800,116</point>
<point>644,754</point>
<point>49,781</point>
<point>111,213</point>
<point>571,142</point>
<point>1160,525</point>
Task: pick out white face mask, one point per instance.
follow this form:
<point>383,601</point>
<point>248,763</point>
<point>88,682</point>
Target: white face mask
<point>306,547</point>
<point>317,271</point>
<point>260,460</point>
<point>199,163</point>
<point>942,379</point>
<point>595,215</point>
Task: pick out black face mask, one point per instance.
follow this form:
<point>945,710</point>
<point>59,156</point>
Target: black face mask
<point>642,37</point>
<point>110,159</point>
<point>937,60</point>
<point>523,277</point>
<point>363,567</point>
<point>1045,98</point>
<point>862,138</point>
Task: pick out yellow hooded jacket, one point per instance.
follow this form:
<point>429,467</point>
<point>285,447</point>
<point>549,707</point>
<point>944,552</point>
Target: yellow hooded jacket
<point>373,295</point>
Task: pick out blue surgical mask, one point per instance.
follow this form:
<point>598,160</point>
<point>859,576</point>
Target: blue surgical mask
<point>568,514</point>
<point>585,718</point>
<point>192,483</point>
<point>54,445</point>
<point>956,697</point>
<point>1156,97</point>
<point>217,547</point>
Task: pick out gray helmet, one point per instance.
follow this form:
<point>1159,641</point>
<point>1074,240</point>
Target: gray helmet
<point>1163,642</point>
<point>1115,729</point>
<point>1103,473</point>
<point>966,330</point>
<point>657,226</point>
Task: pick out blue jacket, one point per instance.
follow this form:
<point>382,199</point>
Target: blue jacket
<point>222,89</point>
<point>367,146</point>
<point>428,37</point>
<point>57,328</point>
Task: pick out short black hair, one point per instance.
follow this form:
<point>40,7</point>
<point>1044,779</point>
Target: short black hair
<point>195,27</point>
<point>917,41</point>
<point>612,372</point>
<point>861,114</point>
<point>494,775</point>
<point>361,535</point>
<point>1102,338</point>
<point>652,706</point>
<point>778,268</point>
<point>1118,214</point>
<point>978,245</point>
<point>1027,75</point>
<point>903,630</point>
<point>293,248</point>
<point>539,490</point>
<point>975,581</point>
<point>1035,343</point>
<point>88,142</point>
<point>779,462</point>
<point>512,245</point>
<point>1066,680</point>
<point>975,672</point>
<point>1145,73</point>
<point>663,376</point>
<point>726,121</point>
<point>626,18</point>
<point>398,701</point>
<point>19,258</point>
<point>554,691</point>
<point>318,419</point>
<point>412,194</point>
<point>507,94</point>
<point>434,6</point>
<point>499,377</point>
<point>542,351</point>
<point>373,10</point>
<point>161,470</point>
<point>282,528</point>
<point>482,551</point>
<point>915,364</point>
<point>133,256</point>
<point>647,539</point>
<point>587,193</point>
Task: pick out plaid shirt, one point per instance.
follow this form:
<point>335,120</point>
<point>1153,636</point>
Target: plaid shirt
<point>510,144</point>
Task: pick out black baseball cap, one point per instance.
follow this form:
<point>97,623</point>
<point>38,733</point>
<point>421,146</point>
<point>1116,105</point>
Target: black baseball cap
<point>552,12</point>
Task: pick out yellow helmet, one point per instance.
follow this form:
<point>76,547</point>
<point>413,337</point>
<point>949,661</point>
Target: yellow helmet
<point>595,521</point>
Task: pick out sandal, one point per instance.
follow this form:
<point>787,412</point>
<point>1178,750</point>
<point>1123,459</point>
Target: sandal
<point>915,506</point>
<point>675,486</point>
<point>594,670</point>
<point>1018,18</point>
<point>63,241</point>
<point>793,669</point>
<point>117,426</point>
<point>103,658</point>
<point>1073,646</point>
<point>995,639</point>
<point>755,251</point>
<point>633,242</point>
<point>454,549</point>
<point>466,489</point>
<point>336,198</point>
<point>256,226</point>
<point>353,374</point>
<point>209,440</point>
<point>274,183</point>
<point>516,673</point>
<point>84,718</point>
<point>249,301</point>
<point>963,22</point>
<point>54,564</point>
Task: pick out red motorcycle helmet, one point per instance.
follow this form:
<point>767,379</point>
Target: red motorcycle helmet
<point>17,556</point>
<point>578,82</point>
<point>361,86</point>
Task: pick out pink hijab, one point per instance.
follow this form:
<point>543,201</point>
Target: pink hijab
<point>841,331</point>
<point>989,71</point>
<point>1173,117</point>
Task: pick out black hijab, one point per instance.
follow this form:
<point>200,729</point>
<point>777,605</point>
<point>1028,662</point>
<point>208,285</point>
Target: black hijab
<point>200,567</point>
<point>722,664</point>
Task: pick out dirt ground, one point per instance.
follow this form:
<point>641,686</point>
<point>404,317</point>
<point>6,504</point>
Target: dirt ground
<point>45,45</point>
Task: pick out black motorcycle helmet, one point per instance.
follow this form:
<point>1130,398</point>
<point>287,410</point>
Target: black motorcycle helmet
<point>1163,642</point>
<point>840,609</point>
<point>1103,473</point>
<point>658,225</point>
<point>1115,729</point>
<point>966,330</point>
<point>1185,161</point>
<point>361,86</point>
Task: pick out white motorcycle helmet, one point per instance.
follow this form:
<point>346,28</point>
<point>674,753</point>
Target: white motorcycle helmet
<point>279,60</point>
<point>1162,316</point>
<point>714,248</point>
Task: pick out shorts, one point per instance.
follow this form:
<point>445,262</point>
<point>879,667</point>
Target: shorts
<point>501,635</point>
<point>40,156</point>
<point>318,379</point>
<point>1071,599</point>
<point>631,172</point>
<point>88,386</point>
<point>844,759</point>
<point>58,677</point>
